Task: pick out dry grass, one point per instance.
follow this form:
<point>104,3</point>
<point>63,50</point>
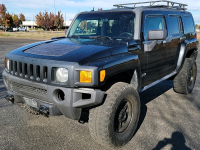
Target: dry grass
<point>40,35</point>
<point>198,37</point>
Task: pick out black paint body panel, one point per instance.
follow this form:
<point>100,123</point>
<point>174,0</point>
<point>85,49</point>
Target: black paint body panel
<point>116,56</point>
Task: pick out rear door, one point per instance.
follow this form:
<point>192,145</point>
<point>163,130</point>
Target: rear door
<point>176,36</point>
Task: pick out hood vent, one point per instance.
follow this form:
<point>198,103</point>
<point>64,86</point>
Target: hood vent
<point>52,49</point>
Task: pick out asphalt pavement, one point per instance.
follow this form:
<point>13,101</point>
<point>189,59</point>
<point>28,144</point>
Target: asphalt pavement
<point>168,120</point>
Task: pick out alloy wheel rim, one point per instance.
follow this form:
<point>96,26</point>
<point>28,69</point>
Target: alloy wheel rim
<point>192,76</point>
<point>123,116</point>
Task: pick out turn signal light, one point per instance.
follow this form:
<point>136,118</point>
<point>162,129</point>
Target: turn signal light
<point>102,75</point>
<point>85,76</point>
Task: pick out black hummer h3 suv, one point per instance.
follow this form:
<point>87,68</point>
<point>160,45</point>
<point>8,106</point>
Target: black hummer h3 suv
<point>103,62</point>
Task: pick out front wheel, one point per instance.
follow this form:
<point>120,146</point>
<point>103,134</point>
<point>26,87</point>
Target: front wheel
<point>113,124</point>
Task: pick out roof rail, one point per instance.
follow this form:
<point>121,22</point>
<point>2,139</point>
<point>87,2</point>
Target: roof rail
<point>169,5</point>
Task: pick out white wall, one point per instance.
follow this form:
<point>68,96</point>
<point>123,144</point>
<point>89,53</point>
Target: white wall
<point>33,23</point>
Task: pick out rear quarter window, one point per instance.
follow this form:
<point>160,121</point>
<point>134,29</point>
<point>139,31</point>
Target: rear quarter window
<point>188,25</point>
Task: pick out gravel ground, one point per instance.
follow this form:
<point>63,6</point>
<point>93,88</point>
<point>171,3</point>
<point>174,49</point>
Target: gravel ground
<point>168,120</point>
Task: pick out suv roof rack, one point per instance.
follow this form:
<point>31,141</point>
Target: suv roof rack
<point>168,5</point>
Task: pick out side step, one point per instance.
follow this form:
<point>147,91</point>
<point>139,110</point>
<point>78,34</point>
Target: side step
<point>158,81</point>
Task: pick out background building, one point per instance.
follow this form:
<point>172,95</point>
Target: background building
<point>32,24</point>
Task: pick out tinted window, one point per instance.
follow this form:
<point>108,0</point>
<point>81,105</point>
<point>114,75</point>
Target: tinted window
<point>153,23</point>
<point>175,24</point>
<point>117,25</point>
<point>188,25</point>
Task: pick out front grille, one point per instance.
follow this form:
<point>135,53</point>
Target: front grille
<point>29,71</point>
<point>17,87</point>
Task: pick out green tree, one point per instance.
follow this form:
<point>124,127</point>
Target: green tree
<point>16,20</point>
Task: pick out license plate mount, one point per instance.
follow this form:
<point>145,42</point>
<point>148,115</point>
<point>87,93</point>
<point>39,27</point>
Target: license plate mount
<point>31,102</point>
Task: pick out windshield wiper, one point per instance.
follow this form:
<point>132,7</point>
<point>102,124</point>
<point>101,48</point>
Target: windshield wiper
<point>100,37</point>
<point>75,36</point>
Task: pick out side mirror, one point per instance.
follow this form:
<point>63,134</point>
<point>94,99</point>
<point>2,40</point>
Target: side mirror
<point>157,34</point>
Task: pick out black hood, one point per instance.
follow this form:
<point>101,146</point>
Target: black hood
<point>73,50</point>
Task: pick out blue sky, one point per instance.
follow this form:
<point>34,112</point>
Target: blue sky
<point>71,7</point>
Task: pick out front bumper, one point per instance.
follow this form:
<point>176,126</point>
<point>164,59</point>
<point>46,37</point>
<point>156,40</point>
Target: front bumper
<point>59,100</point>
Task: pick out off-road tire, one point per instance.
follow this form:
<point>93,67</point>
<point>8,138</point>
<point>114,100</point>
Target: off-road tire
<point>103,119</point>
<point>185,80</point>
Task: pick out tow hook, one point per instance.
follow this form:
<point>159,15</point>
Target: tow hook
<point>44,111</point>
<point>10,98</point>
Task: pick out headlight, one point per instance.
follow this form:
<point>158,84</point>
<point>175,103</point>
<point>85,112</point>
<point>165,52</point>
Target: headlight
<point>62,75</point>
<point>7,64</point>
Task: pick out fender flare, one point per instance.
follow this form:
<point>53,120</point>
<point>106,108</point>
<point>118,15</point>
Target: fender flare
<point>119,64</point>
<point>181,56</point>
<point>136,79</point>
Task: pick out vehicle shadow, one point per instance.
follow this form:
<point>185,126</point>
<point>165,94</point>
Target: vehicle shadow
<point>145,97</point>
<point>149,95</point>
<point>177,141</point>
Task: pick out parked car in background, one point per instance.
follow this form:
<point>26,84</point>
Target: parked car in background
<point>16,29</point>
<point>22,29</point>
<point>2,28</point>
<point>8,29</point>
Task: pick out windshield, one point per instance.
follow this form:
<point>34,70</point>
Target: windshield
<point>112,25</point>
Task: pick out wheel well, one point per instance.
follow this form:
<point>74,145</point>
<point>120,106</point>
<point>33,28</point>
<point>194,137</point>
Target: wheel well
<point>190,53</point>
<point>120,77</point>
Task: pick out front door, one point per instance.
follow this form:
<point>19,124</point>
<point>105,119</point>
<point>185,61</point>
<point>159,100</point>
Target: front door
<point>157,58</point>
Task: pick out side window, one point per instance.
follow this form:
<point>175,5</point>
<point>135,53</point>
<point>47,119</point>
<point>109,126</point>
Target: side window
<point>153,23</point>
<point>175,24</point>
<point>188,25</point>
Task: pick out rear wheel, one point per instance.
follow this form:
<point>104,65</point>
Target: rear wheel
<point>185,80</point>
<point>113,124</point>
